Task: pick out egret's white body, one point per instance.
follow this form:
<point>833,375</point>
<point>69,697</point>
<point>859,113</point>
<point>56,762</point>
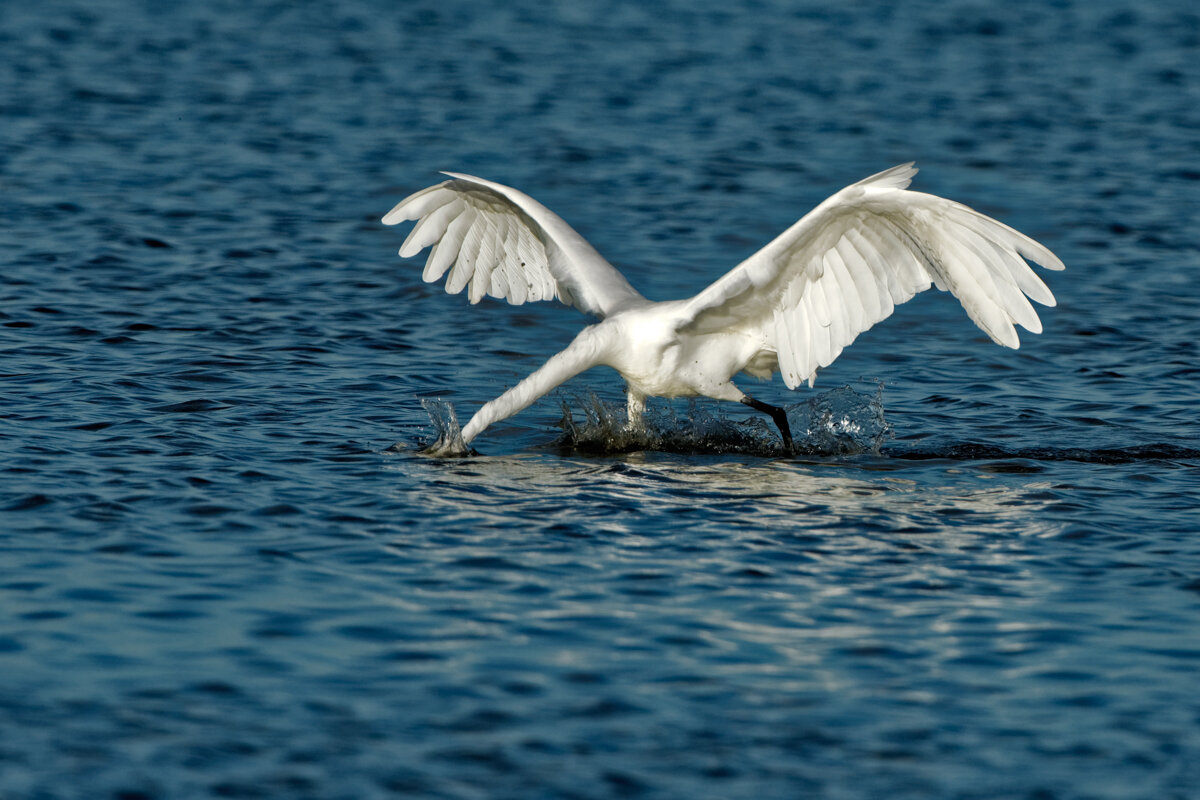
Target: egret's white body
<point>791,307</point>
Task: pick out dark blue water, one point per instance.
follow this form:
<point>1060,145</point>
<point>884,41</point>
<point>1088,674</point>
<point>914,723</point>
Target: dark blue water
<point>218,577</point>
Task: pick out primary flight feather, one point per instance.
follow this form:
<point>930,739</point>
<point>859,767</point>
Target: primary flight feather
<point>791,307</point>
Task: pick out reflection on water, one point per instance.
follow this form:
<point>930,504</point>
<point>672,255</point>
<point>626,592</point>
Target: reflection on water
<point>875,492</point>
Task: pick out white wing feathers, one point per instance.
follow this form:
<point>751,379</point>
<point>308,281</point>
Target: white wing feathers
<point>494,240</point>
<point>870,247</point>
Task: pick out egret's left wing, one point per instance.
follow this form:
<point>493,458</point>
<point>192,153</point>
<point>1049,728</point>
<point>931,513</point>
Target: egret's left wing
<point>497,241</point>
<point>872,246</point>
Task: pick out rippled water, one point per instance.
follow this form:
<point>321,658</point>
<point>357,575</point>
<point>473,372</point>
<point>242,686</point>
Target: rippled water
<point>226,570</point>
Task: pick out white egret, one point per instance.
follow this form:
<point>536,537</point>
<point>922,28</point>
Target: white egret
<point>790,308</point>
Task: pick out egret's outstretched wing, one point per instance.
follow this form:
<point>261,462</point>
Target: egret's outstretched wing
<point>503,243</point>
<point>845,265</point>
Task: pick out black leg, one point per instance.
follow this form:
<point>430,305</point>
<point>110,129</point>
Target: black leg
<point>777,414</point>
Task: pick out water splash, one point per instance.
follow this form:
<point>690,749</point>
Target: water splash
<point>838,422</point>
<point>449,442</point>
<point>604,430</point>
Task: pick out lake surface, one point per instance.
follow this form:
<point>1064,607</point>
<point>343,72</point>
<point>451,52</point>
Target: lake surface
<point>227,571</point>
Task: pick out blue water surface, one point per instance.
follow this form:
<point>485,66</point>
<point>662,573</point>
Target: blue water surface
<point>227,571</point>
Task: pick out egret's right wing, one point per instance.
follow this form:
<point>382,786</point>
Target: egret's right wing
<point>845,265</point>
<point>500,242</point>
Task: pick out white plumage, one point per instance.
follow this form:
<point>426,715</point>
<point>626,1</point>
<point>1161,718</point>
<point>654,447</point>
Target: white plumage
<point>791,307</point>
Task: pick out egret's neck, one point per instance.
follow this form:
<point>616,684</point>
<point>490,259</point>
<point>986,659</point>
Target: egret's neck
<point>587,350</point>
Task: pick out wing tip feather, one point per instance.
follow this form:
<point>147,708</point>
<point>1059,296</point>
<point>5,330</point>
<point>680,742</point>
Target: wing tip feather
<point>897,177</point>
